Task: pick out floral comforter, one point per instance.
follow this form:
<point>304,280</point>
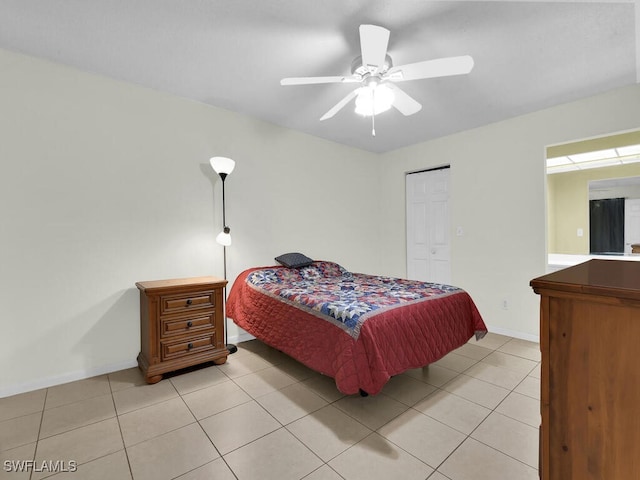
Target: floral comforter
<point>343,298</point>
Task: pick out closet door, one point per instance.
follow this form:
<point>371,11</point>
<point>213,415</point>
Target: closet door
<point>428,232</point>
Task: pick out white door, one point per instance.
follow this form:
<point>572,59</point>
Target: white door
<point>631,223</point>
<point>428,242</point>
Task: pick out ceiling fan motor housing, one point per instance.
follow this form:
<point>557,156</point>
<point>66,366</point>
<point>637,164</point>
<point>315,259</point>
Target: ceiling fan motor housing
<point>357,68</point>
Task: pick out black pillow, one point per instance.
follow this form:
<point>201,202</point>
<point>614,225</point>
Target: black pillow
<point>294,260</point>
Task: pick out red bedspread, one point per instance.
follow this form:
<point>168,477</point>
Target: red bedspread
<point>361,345</point>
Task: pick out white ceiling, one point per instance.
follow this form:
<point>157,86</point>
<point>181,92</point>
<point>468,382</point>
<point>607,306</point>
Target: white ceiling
<point>233,53</point>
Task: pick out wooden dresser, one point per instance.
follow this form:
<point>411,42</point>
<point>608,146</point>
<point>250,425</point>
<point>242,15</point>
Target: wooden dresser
<point>181,324</point>
<point>590,381</point>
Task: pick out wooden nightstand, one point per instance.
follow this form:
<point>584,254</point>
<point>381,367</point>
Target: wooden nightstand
<point>181,324</point>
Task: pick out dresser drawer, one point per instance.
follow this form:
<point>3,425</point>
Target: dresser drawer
<point>192,323</point>
<point>188,346</point>
<point>186,302</point>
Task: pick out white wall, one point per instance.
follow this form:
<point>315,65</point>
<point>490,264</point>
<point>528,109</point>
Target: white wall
<point>498,197</point>
<point>103,184</point>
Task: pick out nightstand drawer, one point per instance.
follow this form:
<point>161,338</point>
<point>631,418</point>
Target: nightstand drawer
<point>193,323</point>
<point>183,303</point>
<point>188,346</point>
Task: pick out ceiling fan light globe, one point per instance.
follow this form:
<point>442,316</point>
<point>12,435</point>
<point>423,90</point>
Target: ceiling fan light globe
<point>374,100</point>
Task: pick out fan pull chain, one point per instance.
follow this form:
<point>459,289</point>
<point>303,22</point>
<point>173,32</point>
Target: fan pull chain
<point>373,113</point>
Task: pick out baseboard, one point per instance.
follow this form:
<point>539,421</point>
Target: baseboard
<point>7,391</point>
<point>514,334</point>
<point>243,337</point>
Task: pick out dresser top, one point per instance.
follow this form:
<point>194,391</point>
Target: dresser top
<point>616,278</point>
<point>181,282</point>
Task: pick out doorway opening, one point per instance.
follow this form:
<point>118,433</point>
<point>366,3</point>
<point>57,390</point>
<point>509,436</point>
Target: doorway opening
<point>592,186</point>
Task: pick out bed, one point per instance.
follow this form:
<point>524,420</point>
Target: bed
<point>358,329</point>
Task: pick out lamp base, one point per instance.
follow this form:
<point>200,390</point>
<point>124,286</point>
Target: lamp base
<point>231,347</point>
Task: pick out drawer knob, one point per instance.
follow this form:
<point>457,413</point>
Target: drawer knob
<point>190,346</point>
<point>189,324</point>
<point>188,301</point>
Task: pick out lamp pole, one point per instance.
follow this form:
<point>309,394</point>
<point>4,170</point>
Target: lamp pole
<point>223,166</point>
<point>231,347</point>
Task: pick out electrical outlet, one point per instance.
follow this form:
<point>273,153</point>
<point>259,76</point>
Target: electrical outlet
<point>505,304</point>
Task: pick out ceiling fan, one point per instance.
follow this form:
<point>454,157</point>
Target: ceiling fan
<point>377,76</point>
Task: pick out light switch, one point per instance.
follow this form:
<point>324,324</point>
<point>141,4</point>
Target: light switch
<point>580,232</point>
<point>459,231</point>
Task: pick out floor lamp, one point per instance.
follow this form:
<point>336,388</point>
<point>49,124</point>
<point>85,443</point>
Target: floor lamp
<point>223,166</point>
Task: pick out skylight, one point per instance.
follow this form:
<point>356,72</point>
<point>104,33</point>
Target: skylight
<point>596,159</point>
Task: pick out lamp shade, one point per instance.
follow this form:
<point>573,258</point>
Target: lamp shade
<point>222,165</point>
<point>224,237</point>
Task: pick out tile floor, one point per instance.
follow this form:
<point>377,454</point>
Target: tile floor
<point>473,415</point>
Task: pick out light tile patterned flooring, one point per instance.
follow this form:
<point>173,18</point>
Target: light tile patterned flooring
<point>473,415</point>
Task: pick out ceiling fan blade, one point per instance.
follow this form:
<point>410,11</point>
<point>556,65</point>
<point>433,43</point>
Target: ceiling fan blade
<point>373,45</point>
<point>441,67</point>
<point>403,102</point>
<point>340,105</point>
<point>315,80</point>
